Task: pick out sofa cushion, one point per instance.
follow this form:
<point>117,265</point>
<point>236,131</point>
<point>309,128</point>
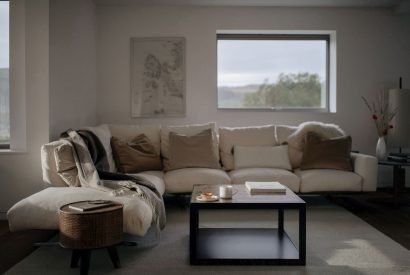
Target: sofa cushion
<point>66,164</point>
<point>48,164</point>
<point>103,133</point>
<point>323,180</point>
<point>285,177</point>
<point>188,130</point>
<point>283,132</point>
<point>40,210</point>
<point>262,157</point>
<point>156,178</point>
<point>192,151</point>
<point>246,136</point>
<point>331,153</point>
<point>183,180</point>
<point>129,132</point>
<point>135,156</point>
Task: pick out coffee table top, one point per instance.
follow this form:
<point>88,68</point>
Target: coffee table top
<point>244,197</point>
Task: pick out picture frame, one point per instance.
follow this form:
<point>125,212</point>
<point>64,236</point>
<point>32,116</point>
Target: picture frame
<point>158,77</point>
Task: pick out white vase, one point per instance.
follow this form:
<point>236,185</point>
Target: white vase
<point>381,151</point>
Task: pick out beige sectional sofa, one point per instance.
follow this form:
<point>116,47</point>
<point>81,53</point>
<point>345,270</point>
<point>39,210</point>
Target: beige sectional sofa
<point>233,170</point>
<point>362,179</point>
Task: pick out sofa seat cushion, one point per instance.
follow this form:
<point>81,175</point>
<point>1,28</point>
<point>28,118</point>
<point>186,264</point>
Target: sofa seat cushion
<point>183,180</point>
<point>156,178</point>
<point>328,180</point>
<point>240,176</point>
<point>40,210</point>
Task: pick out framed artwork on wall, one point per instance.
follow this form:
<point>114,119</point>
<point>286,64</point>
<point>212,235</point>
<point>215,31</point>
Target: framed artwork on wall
<point>158,77</point>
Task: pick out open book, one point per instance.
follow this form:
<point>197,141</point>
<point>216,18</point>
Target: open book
<point>259,187</point>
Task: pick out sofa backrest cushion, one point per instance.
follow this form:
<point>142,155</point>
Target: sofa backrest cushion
<point>262,157</point>
<point>48,164</point>
<point>66,164</point>
<point>192,151</point>
<point>188,130</point>
<point>246,136</point>
<point>129,132</point>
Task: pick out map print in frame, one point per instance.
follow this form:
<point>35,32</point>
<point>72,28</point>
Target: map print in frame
<point>158,77</point>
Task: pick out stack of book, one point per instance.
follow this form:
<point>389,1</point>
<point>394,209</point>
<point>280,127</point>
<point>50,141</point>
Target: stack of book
<point>399,157</point>
<point>84,206</point>
<point>263,188</point>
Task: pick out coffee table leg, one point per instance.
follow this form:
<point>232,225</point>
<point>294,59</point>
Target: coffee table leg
<point>112,251</point>
<point>280,220</point>
<point>85,261</point>
<point>302,235</point>
<point>193,231</point>
<point>75,257</point>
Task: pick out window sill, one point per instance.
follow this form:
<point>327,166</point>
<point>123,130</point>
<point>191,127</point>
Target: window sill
<point>11,152</point>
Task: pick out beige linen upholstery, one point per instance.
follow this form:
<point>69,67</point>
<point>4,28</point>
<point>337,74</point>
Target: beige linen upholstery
<point>129,132</point>
<point>366,166</point>
<point>66,164</point>
<point>283,132</point>
<point>188,130</point>
<point>183,180</point>
<point>328,180</point>
<point>156,178</point>
<point>285,177</point>
<point>262,157</point>
<point>48,164</point>
<point>40,211</point>
<point>246,136</point>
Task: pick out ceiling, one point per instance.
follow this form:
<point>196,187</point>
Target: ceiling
<point>399,6</point>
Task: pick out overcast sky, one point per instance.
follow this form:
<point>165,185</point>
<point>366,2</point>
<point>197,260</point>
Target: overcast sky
<point>251,62</point>
<point>4,34</point>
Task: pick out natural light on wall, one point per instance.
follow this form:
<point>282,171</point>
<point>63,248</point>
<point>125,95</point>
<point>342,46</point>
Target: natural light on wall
<point>281,72</point>
<point>4,74</point>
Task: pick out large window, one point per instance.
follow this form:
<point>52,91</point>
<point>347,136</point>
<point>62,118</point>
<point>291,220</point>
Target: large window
<point>4,75</point>
<point>273,71</point>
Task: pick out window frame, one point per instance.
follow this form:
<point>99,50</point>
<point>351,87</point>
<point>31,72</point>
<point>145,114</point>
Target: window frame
<point>280,35</point>
<point>6,146</point>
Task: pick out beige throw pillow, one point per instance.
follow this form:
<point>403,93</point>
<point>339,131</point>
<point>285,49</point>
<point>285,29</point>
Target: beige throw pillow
<point>331,153</point>
<point>135,156</point>
<point>65,164</point>
<point>192,151</point>
<point>262,157</point>
<point>247,136</point>
<point>188,130</point>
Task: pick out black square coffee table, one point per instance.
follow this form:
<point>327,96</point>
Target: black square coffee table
<point>246,246</point>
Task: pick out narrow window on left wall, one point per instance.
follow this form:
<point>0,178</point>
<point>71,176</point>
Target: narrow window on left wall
<point>4,75</point>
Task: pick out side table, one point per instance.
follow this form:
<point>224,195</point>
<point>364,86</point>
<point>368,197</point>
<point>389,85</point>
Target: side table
<point>84,231</point>
<point>399,178</point>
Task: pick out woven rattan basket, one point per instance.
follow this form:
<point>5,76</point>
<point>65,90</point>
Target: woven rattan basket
<point>91,229</point>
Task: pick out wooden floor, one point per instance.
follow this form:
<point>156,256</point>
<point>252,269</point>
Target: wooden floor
<point>392,221</point>
<point>16,246</point>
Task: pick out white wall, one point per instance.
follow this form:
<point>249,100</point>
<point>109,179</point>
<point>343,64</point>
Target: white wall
<point>21,172</point>
<point>372,52</point>
<point>72,65</point>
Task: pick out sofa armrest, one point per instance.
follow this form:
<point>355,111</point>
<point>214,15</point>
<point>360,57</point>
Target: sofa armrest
<point>366,166</point>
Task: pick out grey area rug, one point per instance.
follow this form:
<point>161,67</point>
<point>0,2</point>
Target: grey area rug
<point>337,243</point>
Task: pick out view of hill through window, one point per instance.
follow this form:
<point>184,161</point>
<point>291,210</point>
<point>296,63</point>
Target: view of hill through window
<point>271,73</point>
<point>4,74</point>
